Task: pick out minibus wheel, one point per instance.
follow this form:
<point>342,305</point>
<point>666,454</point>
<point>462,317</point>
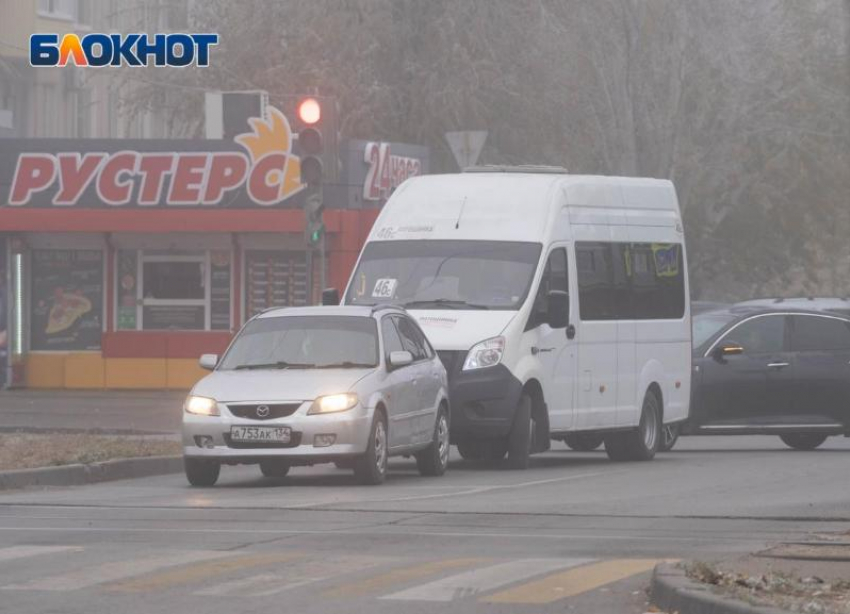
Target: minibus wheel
<point>521,439</point>
<point>641,443</point>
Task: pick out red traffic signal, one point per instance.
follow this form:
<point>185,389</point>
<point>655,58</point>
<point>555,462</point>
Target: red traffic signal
<point>310,111</point>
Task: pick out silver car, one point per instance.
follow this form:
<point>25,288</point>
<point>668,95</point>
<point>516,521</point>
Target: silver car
<point>302,386</point>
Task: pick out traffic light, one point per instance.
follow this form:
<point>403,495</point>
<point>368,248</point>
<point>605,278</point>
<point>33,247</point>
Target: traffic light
<point>310,141</point>
<point>314,229</point>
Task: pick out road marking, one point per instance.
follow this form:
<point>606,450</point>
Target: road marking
<point>478,489</point>
<point>110,572</point>
<point>573,582</point>
<point>381,532</point>
<point>471,583</point>
<point>294,576</point>
<point>22,552</point>
<point>199,572</point>
<point>398,576</point>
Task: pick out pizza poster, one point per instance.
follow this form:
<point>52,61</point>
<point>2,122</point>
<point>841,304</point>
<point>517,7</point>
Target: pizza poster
<point>67,300</point>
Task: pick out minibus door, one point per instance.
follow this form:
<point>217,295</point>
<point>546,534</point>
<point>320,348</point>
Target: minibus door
<point>554,349</point>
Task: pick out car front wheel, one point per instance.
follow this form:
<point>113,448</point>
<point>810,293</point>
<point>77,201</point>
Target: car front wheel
<point>803,441</point>
<point>669,437</point>
<point>433,460</point>
<point>201,472</point>
<point>371,467</point>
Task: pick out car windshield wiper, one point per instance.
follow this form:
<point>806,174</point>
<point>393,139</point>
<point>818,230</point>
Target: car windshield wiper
<point>281,364</point>
<point>443,302</point>
<point>347,365</point>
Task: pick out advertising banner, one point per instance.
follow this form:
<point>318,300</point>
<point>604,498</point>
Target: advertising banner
<point>67,300</point>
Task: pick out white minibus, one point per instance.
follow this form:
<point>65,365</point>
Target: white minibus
<point>558,303</point>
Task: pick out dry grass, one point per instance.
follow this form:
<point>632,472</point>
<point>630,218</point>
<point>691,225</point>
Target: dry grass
<point>26,451</point>
<point>810,595</point>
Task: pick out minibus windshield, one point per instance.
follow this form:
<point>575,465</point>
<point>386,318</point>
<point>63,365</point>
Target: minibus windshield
<point>445,274</point>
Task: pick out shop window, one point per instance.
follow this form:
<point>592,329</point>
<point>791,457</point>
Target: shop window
<point>167,291</point>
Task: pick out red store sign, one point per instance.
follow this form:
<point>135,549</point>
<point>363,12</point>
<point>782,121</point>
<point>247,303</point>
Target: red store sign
<point>386,171</point>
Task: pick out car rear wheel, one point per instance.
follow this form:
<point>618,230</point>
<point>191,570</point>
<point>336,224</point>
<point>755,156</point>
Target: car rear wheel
<point>638,444</point>
<point>803,441</point>
<point>521,439</point>
<point>371,467</point>
<point>274,468</point>
<point>433,460</point>
<point>584,442</point>
<point>201,472</point>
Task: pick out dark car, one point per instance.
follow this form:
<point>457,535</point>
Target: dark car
<point>771,372</point>
<point>813,303</point>
<point>703,306</point>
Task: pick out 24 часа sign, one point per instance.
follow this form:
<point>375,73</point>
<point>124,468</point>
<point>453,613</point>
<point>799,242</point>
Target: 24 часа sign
<point>256,169</point>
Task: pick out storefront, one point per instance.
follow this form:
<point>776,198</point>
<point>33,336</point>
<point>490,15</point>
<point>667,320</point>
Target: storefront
<point>123,261</point>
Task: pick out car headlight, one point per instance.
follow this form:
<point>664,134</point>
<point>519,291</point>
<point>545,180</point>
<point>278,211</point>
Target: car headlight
<point>485,354</point>
<point>201,406</point>
<point>333,403</point>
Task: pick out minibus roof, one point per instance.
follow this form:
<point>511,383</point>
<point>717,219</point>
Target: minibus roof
<point>511,206</point>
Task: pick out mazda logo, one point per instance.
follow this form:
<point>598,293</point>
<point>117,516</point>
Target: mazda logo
<point>262,411</point>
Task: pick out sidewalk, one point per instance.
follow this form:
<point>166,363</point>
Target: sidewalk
<point>131,412</point>
<point>811,577</point>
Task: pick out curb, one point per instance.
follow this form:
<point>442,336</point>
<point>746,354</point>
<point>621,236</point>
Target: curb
<point>77,475</point>
<point>673,591</point>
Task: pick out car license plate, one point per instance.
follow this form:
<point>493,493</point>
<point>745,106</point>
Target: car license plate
<point>260,434</point>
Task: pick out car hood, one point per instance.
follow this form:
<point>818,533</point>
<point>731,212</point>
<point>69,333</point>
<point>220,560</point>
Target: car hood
<point>277,384</point>
<point>449,329</point>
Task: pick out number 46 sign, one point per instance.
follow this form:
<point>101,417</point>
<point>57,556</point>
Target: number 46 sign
<point>384,288</point>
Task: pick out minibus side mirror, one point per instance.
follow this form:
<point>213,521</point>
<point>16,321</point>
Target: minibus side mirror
<point>208,361</point>
<point>726,349</point>
<point>558,309</point>
<point>330,296</point>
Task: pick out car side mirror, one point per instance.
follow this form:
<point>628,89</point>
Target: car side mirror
<point>726,349</point>
<point>330,296</point>
<point>557,308</point>
<point>400,359</point>
<point>208,361</point>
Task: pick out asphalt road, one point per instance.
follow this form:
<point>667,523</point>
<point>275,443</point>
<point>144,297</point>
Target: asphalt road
<point>575,533</point>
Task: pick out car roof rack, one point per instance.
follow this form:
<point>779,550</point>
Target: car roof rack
<point>521,168</point>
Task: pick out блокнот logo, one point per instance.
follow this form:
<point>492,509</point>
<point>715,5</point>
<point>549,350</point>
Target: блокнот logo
<point>98,50</point>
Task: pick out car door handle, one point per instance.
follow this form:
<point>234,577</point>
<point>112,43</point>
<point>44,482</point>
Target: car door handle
<point>777,365</point>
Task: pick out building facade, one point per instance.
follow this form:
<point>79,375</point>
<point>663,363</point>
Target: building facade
<point>127,259</point>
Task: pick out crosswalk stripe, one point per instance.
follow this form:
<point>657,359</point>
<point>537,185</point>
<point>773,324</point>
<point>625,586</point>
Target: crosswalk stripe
<point>198,572</point>
<point>477,581</point>
<point>398,576</point>
<point>572,582</point>
<point>293,576</point>
<point>111,572</point>
<point>22,552</point>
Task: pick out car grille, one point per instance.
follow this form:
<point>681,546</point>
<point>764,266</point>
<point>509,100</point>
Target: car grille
<point>452,360</point>
<point>264,411</point>
<point>294,442</point>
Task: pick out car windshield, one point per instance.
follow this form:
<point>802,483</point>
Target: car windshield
<point>305,342</point>
<point>707,324</point>
<point>445,274</point>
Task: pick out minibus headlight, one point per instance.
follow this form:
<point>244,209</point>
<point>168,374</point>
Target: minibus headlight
<point>333,403</point>
<point>485,354</point>
<point>201,406</point>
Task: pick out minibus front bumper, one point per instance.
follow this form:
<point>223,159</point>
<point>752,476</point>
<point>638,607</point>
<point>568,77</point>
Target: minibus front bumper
<point>483,401</point>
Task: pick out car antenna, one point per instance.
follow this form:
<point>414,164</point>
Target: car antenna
<point>460,214</point>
